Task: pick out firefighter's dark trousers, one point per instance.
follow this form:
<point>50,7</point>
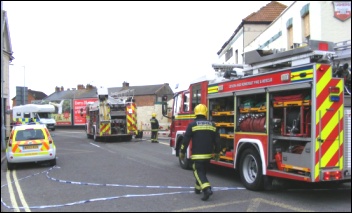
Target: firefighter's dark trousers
<point>200,173</point>
<point>154,136</point>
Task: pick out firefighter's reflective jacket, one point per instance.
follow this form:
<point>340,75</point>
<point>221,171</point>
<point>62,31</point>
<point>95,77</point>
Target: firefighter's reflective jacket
<point>154,124</point>
<point>205,139</point>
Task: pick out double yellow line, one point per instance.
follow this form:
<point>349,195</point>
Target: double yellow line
<point>19,191</point>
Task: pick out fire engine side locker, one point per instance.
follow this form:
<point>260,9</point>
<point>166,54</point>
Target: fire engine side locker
<point>325,141</point>
<point>284,138</point>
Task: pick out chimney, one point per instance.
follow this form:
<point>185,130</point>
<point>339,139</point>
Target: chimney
<point>57,89</point>
<point>80,86</point>
<point>89,86</point>
<point>125,85</point>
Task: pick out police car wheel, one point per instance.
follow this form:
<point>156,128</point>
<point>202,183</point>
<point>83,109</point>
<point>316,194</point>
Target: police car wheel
<point>10,166</point>
<point>53,162</point>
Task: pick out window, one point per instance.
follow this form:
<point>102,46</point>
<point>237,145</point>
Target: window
<point>236,55</point>
<point>306,27</point>
<point>290,37</point>
<point>177,104</point>
<point>289,28</point>
<point>229,54</point>
<point>305,22</point>
<point>186,103</point>
<point>196,95</point>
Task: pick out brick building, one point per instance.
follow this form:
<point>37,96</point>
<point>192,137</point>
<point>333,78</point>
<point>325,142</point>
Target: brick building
<point>33,97</point>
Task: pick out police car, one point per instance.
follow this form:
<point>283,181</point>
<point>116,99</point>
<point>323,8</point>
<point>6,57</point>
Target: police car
<point>30,143</point>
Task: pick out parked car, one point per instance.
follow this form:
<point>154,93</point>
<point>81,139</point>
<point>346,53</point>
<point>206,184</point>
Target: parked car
<point>30,143</point>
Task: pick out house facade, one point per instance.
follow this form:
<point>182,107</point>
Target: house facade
<point>251,26</point>
<point>291,28</point>
<point>306,20</point>
<point>6,59</point>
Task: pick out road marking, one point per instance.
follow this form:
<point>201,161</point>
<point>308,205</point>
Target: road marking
<point>252,207</point>
<point>20,194</point>
<point>95,145</point>
<point>210,206</point>
<point>254,204</point>
<point>12,195</point>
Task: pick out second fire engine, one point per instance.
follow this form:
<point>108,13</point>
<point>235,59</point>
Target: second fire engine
<point>112,119</point>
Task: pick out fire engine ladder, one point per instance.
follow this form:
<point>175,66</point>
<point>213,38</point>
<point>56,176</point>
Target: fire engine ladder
<point>343,50</point>
<point>259,60</point>
<point>342,56</point>
<point>125,95</point>
<point>105,114</point>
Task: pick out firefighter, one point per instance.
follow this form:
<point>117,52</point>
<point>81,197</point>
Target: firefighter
<point>154,123</point>
<point>205,141</point>
<point>345,73</point>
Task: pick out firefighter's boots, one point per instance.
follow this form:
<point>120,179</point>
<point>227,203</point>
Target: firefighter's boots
<point>207,193</point>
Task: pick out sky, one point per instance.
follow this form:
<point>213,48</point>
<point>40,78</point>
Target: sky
<point>104,43</point>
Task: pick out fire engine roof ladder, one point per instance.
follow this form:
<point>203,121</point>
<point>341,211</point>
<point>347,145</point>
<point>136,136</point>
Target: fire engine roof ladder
<point>104,110</point>
<point>125,95</point>
<point>343,50</point>
<point>261,59</point>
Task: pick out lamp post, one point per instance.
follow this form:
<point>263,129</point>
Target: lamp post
<point>24,83</point>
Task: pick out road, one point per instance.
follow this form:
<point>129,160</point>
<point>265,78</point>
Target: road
<point>140,176</point>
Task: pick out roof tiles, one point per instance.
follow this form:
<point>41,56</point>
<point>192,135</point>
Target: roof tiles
<point>267,13</point>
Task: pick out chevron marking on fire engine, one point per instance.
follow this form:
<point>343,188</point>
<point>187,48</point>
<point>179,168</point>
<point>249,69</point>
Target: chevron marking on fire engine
<point>104,128</point>
<point>301,74</point>
<point>131,118</point>
<point>213,89</point>
<point>328,123</point>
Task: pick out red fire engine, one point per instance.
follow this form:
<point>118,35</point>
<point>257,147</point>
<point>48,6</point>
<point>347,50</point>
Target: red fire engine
<point>286,117</point>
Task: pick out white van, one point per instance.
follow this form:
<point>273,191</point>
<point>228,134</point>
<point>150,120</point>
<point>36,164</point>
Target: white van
<point>41,113</point>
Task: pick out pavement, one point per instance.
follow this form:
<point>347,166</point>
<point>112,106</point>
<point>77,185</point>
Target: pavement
<point>3,155</point>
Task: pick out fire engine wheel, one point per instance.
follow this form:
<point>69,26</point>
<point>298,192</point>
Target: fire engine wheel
<point>185,163</point>
<point>251,170</point>
<point>95,138</point>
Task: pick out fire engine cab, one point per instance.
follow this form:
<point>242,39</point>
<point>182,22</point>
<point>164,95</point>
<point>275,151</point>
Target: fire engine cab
<point>284,115</point>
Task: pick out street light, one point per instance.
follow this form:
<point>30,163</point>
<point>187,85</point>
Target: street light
<point>24,83</point>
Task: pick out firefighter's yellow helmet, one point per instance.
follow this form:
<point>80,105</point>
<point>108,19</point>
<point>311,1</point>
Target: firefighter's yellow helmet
<point>153,114</point>
<point>201,109</point>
